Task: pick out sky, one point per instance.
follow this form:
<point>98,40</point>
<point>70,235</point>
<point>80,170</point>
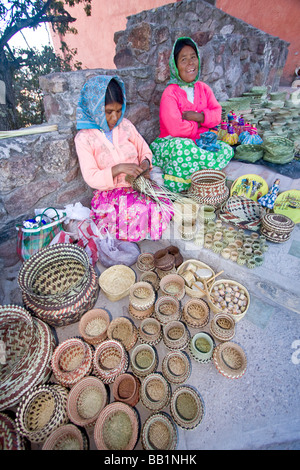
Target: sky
<point>37,38</point>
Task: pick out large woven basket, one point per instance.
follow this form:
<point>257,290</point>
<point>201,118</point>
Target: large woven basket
<point>190,291</point>
<point>187,407</point>
<point>155,392</point>
<point>242,212</point>
<point>176,367</point>
<point>42,410</point>
<point>159,432</point>
<point>279,150</point>
<point>10,438</point>
<point>93,325</point>
<point>220,287</point>
<point>208,187</point>
<point>67,437</point>
<point>122,329</point>
<point>116,282</point>
<point>117,427</point>
<point>110,360</point>
<point>86,400</point>
<point>230,360</point>
<point>126,388</point>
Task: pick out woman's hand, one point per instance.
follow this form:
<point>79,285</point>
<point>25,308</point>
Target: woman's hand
<point>145,165</point>
<point>131,169</point>
<point>193,116</point>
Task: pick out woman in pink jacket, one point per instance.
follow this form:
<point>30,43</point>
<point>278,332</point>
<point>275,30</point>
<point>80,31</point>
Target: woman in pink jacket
<point>188,109</point>
<point>109,148</point>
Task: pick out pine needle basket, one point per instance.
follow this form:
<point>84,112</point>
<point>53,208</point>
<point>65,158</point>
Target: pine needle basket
<point>9,436</point>
<point>167,308</point>
<point>110,360</point>
<point>187,407</point>
<point>155,392</point>
<point>150,331</point>
<point>222,327</point>
<point>143,360</point>
<point>93,325</point>
<point>67,437</point>
<point>176,335</point>
<point>195,313</point>
<point>116,281</point>
<point>159,432</point>
<point>224,309</point>
<point>176,367</point>
<point>152,278</point>
<point>141,295</point>
<point>173,285</point>
<point>230,360</point>
<point>123,330</point>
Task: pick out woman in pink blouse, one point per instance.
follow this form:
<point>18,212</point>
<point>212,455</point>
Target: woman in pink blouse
<point>109,148</point>
<point>188,109</point>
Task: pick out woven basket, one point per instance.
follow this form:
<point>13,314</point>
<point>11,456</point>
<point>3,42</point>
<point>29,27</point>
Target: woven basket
<point>242,212</point>
<point>41,411</point>
<point>10,439</point>
<point>208,187</point>
<point>187,407</point>
<point>230,360</point>
<point>155,392</point>
<point>250,153</point>
<point>150,331</point>
<point>173,285</point>
<point>71,361</point>
<point>278,150</point>
<point>110,361</point>
<point>140,314</point>
<point>194,292</point>
<point>126,388</point>
<point>195,313</point>
<point>176,367</point>
<point>86,400</point>
<point>67,437</point>
<point>152,278</point>
<point>145,262</point>
<point>162,273</point>
<point>117,427</point>
<point>116,282</point>
<point>244,297</point>
<point>176,336</point>
<point>93,326</point>
<point>201,347</point>
<point>141,295</point>
<point>123,330</point>
<point>277,228</point>
<point>167,308</point>
<point>159,432</point>
<point>222,327</point>
<point>144,360</point>
<point>56,274</point>
<point>67,312</point>
<point>164,260</point>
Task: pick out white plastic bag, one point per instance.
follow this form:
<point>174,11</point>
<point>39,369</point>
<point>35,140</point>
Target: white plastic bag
<point>112,251</point>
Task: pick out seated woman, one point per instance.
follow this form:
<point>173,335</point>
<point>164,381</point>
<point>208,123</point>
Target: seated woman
<point>188,108</point>
<point>109,148</point>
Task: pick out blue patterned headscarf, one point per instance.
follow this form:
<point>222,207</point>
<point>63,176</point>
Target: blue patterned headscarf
<point>90,112</point>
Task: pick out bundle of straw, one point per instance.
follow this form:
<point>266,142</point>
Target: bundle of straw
<point>28,131</point>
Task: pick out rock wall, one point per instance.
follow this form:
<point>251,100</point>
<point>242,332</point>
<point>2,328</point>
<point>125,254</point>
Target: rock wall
<point>42,170</point>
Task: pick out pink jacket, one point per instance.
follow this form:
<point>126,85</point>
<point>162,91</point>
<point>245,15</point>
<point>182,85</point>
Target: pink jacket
<point>174,102</point>
<point>97,155</point>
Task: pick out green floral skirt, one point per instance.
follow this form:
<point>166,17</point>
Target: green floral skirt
<point>180,157</point>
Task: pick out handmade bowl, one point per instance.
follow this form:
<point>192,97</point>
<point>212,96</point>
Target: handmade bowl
<point>201,347</point>
<point>143,360</point>
<point>176,367</point>
<point>155,392</point>
<point>187,407</point>
<point>159,432</point>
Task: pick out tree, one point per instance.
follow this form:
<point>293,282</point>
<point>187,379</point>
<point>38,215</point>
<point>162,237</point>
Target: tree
<point>16,15</point>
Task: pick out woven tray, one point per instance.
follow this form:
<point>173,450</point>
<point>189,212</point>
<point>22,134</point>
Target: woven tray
<point>123,330</point>
<point>167,309</point>
<point>155,392</point>
<point>195,313</point>
<point>230,360</point>
<point>117,427</point>
<point>126,388</point>
<point>110,360</point>
<point>159,432</point>
<point>187,407</point>
<point>143,360</point>
<point>176,367</point>
<point>93,325</point>
<point>116,282</point>
<point>216,307</point>
<point>242,212</point>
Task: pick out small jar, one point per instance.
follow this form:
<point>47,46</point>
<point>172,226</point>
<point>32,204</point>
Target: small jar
<point>234,256</point>
<point>247,248</point>
<point>218,235</point>
<point>254,236</point>
<point>258,260</point>
<point>241,259</point>
<point>217,247</point>
<point>251,263</point>
<point>225,253</point>
<point>208,244</point>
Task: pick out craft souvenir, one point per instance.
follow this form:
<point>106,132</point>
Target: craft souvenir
<point>231,137</point>
<point>268,200</point>
<point>159,432</point>
<point>201,347</point>
<point>230,360</point>
<point>187,407</point>
<point>155,392</point>
<point>195,265</point>
<point>10,438</point>
<point>230,297</point>
<point>126,388</point>
<point>151,277</point>
<point>277,228</point>
<point>222,327</point>
<point>145,262</point>
<point>288,204</point>
<point>245,133</point>
<point>279,150</point>
<point>110,360</point>
<point>223,130</point>
<point>93,325</point>
<point>242,212</point>
<point>150,331</point>
<point>141,295</point>
<point>144,360</point>
<point>116,282</point>
<point>173,285</point>
<point>195,313</point>
<point>167,308</point>
<point>176,335</point>
<point>123,330</point>
<point>67,437</point>
<point>250,186</point>
<point>208,187</point>
<point>176,367</point>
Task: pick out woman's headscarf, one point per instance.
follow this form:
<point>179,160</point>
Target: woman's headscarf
<point>174,74</point>
<point>90,112</point>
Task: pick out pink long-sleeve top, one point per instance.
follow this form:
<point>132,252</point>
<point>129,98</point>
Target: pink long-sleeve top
<point>97,155</point>
<point>174,102</point>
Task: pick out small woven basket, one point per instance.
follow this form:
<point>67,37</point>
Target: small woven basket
<point>159,432</point>
<point>117,427</point>
<point>242,212</point>
<point>176,367</point>
<point>145,262</point>
<point>71,361</point>
<point>123,330</point>
<point>155,392</point>
<point>173,284</point>
<point>230,360</point>
<point>277,228</point>
<point>116,282</point>
<point>219,289</point>
<point>140,314</point>
<point>176,336</point>
<point>167,309</point>
<point>150,331</point>
<point>201,347</point>
<point>126,388</point>
<point>194,292</point>
<point>141,295</point>
<point>222,327</point>
<point>86,400</point>
<point>195,313</point>
<point>208,187</point>
<point>152,278</point>
<point>144,360</point>
<point>187,407</point>
<point>67,437</point>
<point>110,361</point>
<point>93,326</point>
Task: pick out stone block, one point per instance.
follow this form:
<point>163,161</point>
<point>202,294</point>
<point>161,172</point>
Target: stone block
<point>140,37</point>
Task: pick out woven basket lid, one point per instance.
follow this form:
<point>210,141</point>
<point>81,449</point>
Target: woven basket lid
<point>176,367</point>
<point>155,392</point>
<point>126,388</point>
<point>117,427</point>
<point>187,407</point>
<point>93,325</point>
<point>116,281</point>
<point>10,438</point>
<point>67,437</point>
<point>123,330</point>
<point>86,400</point>
<point>110,360</point>
<point>230,360</point>
<point>159,432</point>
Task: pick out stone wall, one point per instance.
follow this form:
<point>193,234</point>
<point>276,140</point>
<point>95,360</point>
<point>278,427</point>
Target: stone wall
<point>42,170</point>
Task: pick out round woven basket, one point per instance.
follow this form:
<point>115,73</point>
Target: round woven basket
<point>117,427</point>
<point>173,284</point>
<point>71,361</point>
<point>176,336</point>
<point>167,309</point>
<point>93,326</point>
<point>278,150</point>
<point>195,313</point>
<point>201,347</point>
<point>176,367</point>
<point>42,410</point>
<point>230,360</point>
<point>145,262</point>
<point>123,330</point>
<point>222,327</point>
<point>67,437</point>
<point>159,432</point>
<point>86,400</point>
<point>193,291</point>
<point>155,392</point>
<point>116,281</point>
<point>277,228</point>
<point>208,187</point>
<point>126,388</point>
<point>150,331</point>
<point>10,439</point>
<point>144,360</point>
<point>141,295</point>
<point>242,212</point>
<point>152,278</point>
<point>187,407</point>
<point>140,314</point>
<point>110,360</point>
<point>218,291</point>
